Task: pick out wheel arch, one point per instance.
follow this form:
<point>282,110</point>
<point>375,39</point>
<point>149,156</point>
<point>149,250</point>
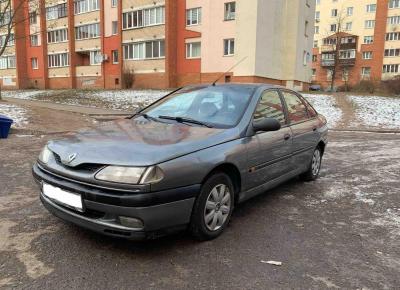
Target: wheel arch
<point>322,146</point>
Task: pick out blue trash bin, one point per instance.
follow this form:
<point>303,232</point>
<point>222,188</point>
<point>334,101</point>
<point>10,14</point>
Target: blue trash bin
<point>5,125</point>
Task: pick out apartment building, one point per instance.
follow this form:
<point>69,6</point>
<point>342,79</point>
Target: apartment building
<point>162,43</point>
<point>364,36</point>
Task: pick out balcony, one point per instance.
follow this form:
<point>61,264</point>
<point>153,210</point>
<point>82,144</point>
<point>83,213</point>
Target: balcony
<point>88,71</point>
<point>327,62</point>
<point>346,46</point>
<point>328,47</point>
<point>342,62</point>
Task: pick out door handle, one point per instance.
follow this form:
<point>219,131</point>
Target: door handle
<point>286,136</point>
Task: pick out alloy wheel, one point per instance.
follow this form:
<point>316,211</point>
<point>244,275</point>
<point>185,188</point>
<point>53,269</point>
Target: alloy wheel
<point>218,207</point>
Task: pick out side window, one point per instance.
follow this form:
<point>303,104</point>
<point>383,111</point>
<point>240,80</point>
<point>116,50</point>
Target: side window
<point>270,106</point>
<point>297,111</point>
<point>311,110</point>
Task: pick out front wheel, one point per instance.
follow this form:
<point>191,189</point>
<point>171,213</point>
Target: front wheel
<point>213,207</point>
<point>314,168</point>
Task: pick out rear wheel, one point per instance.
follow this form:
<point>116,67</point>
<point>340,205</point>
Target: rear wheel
<point>314,168</point>
<point>213,207</point>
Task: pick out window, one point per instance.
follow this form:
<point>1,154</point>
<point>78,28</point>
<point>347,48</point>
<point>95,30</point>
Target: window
<point>349,26</point>
<point>87,31</point>
<point>95,57</point>
<point>391,68</point>
<point>394,20</point>
<point>58,60</point>
<point>392,52</point>
<point>114,3</point>
<point>334,12</point>
<point>333,27</point>
<point>34,40</point>
<point>350,11</point>
<point>57,11</point>
<point>230,10</point>
<point>316,29</point>
<point>317,2</point>
<point>348,39</point>
<point>329,74</point>
<point>317,15</point>
<point>270,106</point>
<point>367,55</point>
<point>144,50</point>
<point>306,57</point>
<point>7,62</point>
<point>34,63</point>
<point>368,39</point>
<point>59,35</point>
<point>369,23</point>
<point>345,74</point>
<point>193,50</point>
<point>391,36</point>
<point>145,17</point>
<point>313,72</point>
<point>193,16</point>
<point>115,56</point>
<point>83,6</point>
<point>114,27</point>
<point>347,54</point>
<point>229,47</point>
<point>11,40</point>
<point>32,17</point>
<point>315,45</point>
<point>394,3</point>
<point>371,7</point>
<point>297,111</point>
<point>365,71</point>
<point>314,58</point>
<point>306,28</point>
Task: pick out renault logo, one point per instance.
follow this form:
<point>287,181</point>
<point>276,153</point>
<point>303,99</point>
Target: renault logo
<point>71,157</point>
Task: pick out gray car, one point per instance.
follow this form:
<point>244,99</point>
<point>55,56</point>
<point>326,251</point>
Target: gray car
<point>183,162</point>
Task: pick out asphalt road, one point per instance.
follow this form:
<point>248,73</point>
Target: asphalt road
<point>341,231</point>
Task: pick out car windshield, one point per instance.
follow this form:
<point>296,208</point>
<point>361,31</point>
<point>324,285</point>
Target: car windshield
<point>213,106</point>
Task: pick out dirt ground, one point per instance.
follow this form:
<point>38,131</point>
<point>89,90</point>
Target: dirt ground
<point>341,231</point>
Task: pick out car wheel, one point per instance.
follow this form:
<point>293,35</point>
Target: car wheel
<point>314,168</point>
<point>213,207</point>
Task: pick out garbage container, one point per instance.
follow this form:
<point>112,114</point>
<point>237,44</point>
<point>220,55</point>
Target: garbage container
<point>5,125</point>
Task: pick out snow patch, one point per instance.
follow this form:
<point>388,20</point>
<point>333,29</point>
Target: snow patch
<point>17,114</point>
<point>375,111</point>
<point>326,105</point>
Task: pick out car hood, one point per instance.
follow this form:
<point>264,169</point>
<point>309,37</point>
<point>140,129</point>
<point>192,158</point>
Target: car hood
<point>136,142</point>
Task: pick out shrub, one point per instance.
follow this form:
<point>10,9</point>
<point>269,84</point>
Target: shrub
<point>128,78</point>
<point>392,86</point>
<point>365,86</point>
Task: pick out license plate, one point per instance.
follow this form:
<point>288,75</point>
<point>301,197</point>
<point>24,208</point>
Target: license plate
<point>63,197</point>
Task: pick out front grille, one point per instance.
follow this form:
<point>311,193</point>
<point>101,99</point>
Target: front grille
<point>91,167</point>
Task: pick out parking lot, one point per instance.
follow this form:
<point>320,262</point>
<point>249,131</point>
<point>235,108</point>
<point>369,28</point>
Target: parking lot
<point>341,231</point>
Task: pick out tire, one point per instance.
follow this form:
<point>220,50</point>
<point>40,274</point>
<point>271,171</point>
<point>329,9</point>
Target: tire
<point>218,194</point>
<point>314,168</point>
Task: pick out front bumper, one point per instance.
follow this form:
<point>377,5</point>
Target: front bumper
<point>161,212</point>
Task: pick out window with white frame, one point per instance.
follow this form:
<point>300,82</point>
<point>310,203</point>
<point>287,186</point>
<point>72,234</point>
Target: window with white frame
<point>329,74</point>
<point>334,12</point>
<point>114,29</point>
<point>57,11</point>
<point>369,23</point>
<point>144,17</point>
<point>316,29</point>
<point>193,16</point>
<point>7,62</point>
<point>368,39</point>
<point>367,55</point>
<point>317,2</point>
<point>193,50</point>
<point>87,31</point>
<point>392,36</point>
<point>394,3</point>
<point>58,60</point>
<point>392,52</point>
<point>34,63</point>
<point>11,40</point>
<point>114,3</point>
<point>349,26</point>
<point>371,7</point>
<point>33,17</point>
<point>333,27</point>
<point>393,20</point>
<point>315,44</point>
<point>365,71</point>
<point>347,54</point>
<point>349,11</point>
<point>95,57</point>
<point>230,10</point>
<point>115,56</point>
<point>229,47</point>
<point>317,15</point>
<point>144,50</point>
<point>345,74</point>
<point>83,6</point>
<point>306,57</point>
<point>34,39</point>
<point>390,68</point>
<point>58,35</point>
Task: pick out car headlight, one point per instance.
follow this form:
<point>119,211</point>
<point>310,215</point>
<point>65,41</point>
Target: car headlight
<point>130,175</point>
<point>45,155</point>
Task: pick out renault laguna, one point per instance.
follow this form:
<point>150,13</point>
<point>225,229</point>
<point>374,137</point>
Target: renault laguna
<point>185,161</point>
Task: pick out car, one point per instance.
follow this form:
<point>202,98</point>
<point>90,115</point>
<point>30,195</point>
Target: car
<point>183,162</point>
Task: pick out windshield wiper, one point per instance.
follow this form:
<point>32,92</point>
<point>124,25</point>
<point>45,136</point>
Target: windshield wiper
<point>186,120</point>
<point>144,115</point>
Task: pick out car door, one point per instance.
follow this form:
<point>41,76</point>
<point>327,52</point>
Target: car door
<point>304,129</point>
<point>269,153</point>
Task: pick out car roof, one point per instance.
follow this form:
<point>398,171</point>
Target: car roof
<point>233,85</point>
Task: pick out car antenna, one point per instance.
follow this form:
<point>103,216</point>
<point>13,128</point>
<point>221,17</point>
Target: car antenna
<point>235,65</point>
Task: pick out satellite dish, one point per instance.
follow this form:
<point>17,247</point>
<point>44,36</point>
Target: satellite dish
<point>99,58</point>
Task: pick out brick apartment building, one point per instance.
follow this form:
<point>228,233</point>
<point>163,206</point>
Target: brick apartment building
<point>367,42</point>
<point>167,43</point>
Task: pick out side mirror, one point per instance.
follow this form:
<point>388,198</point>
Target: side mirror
<point>267,124</point>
